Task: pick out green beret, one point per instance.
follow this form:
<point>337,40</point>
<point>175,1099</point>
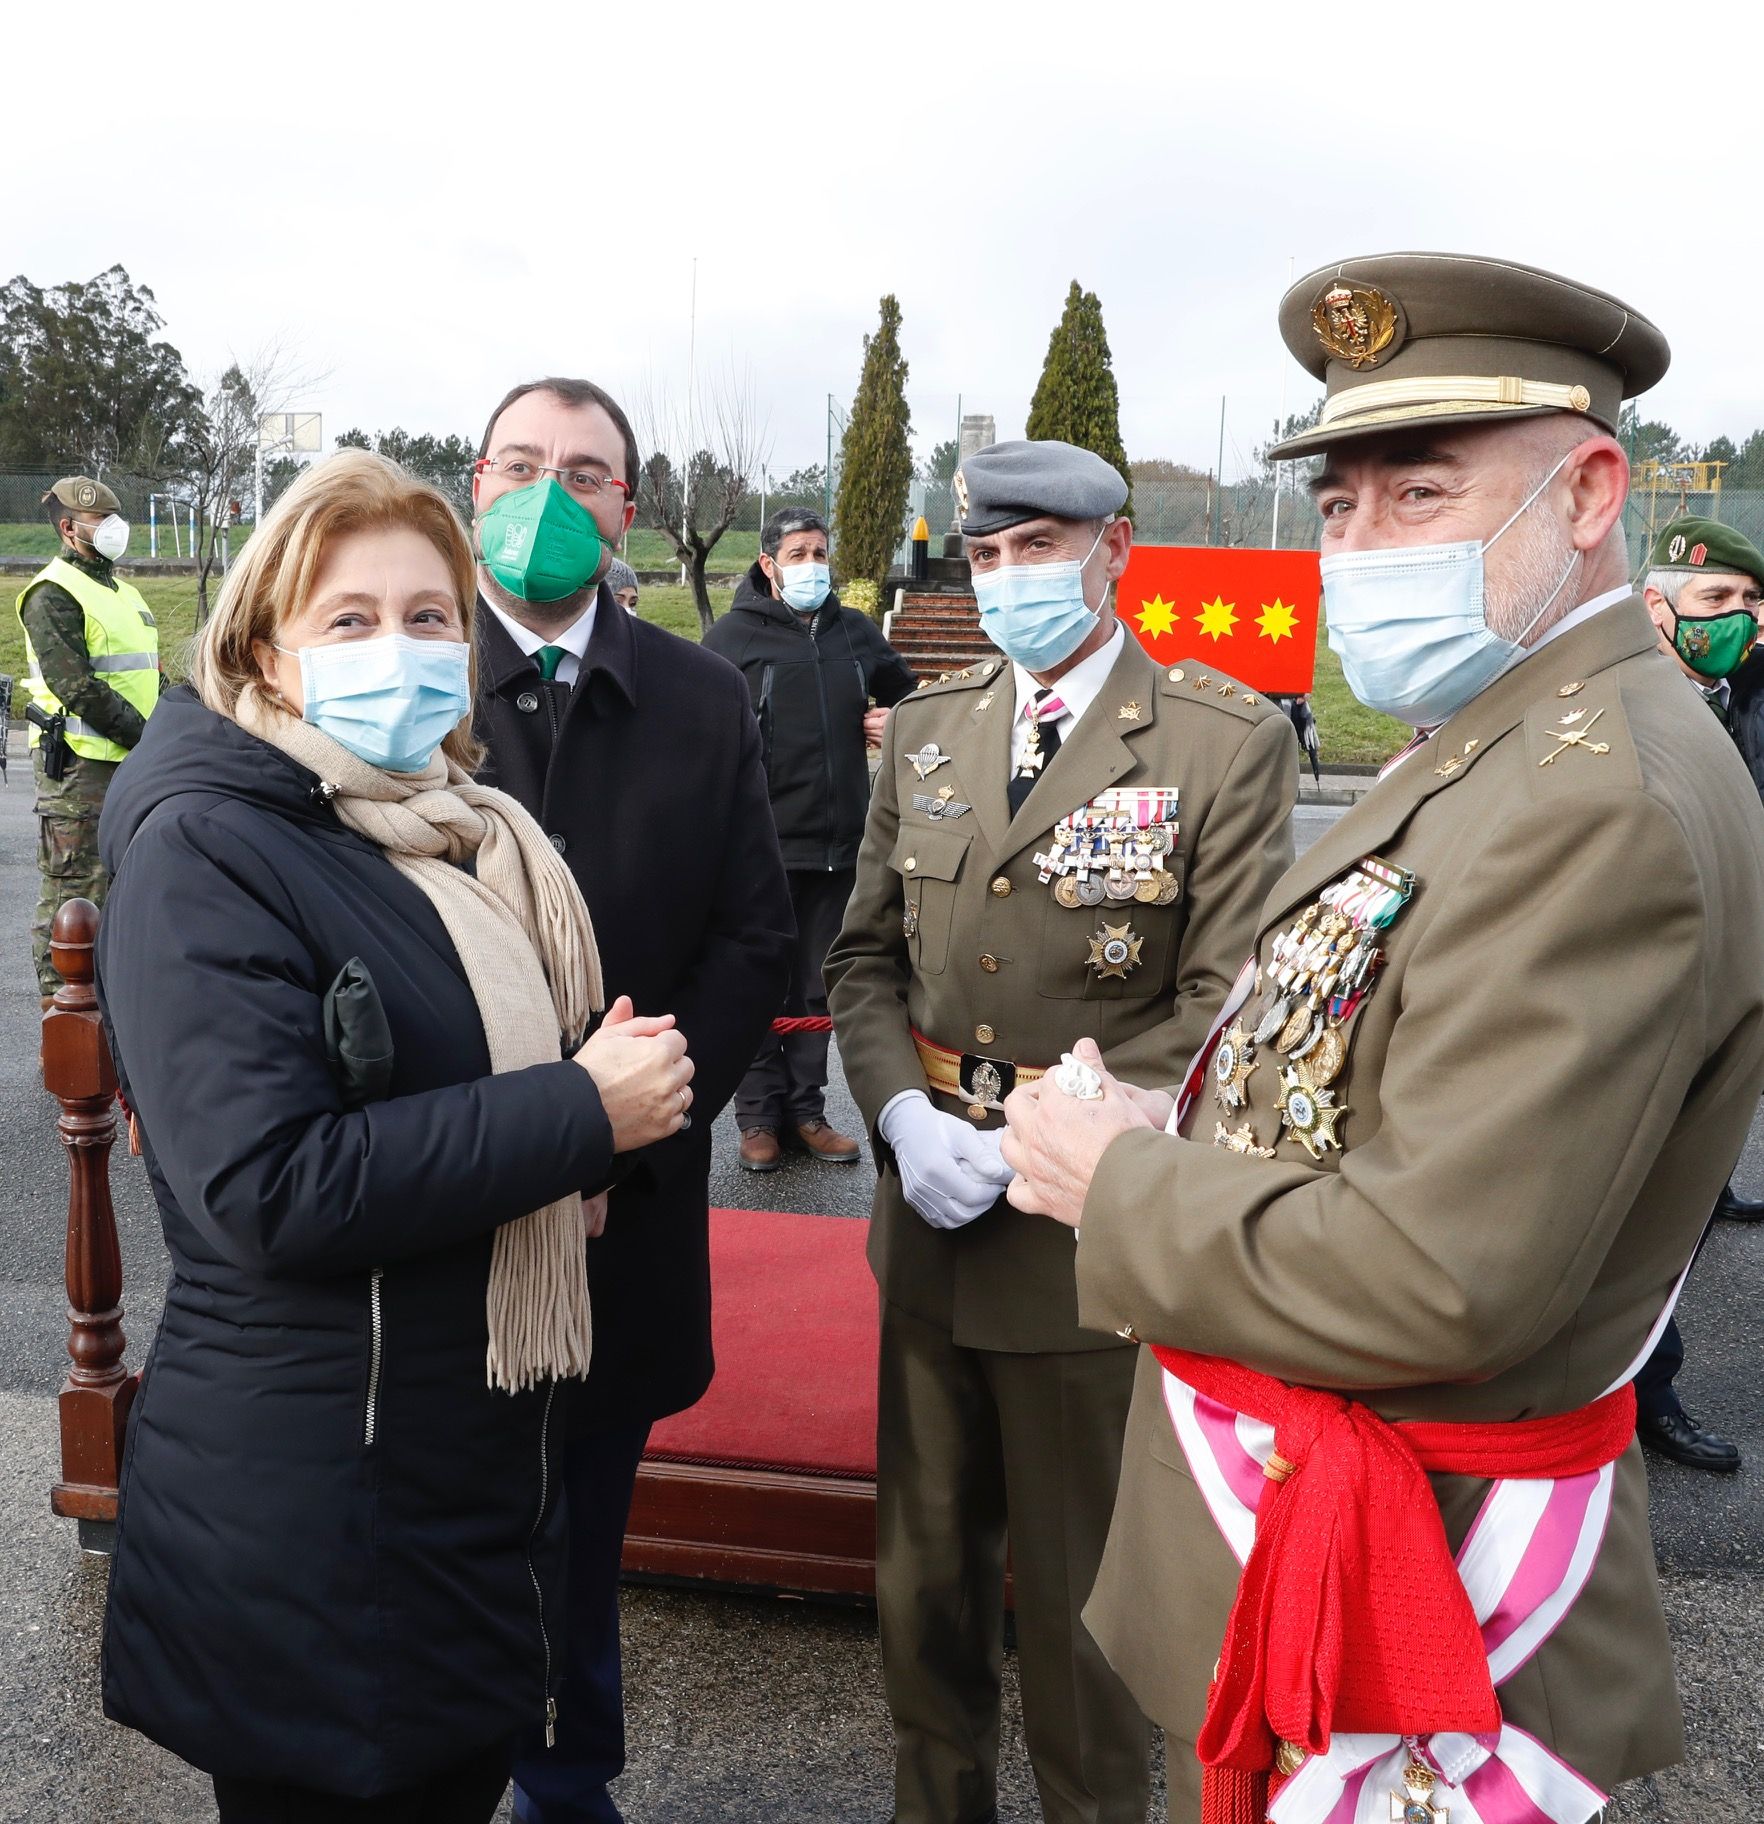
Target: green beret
<point>1008,483</point>
<point>81,494</point>
<point>1402,340</point>
<point>1706,544</point>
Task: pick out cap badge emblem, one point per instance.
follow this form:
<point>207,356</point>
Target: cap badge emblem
<point>1698,554</point>
<point>961,494</point>
<point>86,494</point>
<point>1675,550</point>
<point>1355,323</point>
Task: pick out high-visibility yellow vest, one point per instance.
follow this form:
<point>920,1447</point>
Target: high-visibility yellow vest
<point>123,641</point>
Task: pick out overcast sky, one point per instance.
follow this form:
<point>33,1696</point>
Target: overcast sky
<point>431,202</point>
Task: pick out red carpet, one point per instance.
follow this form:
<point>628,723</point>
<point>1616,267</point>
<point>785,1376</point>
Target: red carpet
<point>794,1319</point>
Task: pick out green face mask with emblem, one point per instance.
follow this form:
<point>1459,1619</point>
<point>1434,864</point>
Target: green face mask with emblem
<point>538,543</point>
<point>1716,647</point>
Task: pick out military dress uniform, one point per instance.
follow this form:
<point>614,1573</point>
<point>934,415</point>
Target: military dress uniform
<point>91,653</point>
<point>1502,1036</point>
<point>959,971</point>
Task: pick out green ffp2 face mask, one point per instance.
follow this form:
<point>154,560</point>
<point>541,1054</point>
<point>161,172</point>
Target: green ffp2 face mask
<point>1716,647</point>
<point>538,543</point>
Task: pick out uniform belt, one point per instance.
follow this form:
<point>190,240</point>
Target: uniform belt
<point>965,1074</point>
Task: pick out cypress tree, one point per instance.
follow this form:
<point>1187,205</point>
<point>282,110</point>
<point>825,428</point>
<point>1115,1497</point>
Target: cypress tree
<point>1076,399</point>
<point>876,459</point>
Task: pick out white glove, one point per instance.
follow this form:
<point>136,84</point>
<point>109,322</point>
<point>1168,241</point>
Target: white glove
<point>950,1171</point>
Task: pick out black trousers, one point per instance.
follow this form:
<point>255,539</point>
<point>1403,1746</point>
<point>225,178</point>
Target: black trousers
<point>786,1084</point>
<point>466,1793</point>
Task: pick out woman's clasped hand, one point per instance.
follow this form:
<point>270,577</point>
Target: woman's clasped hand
<point>642,1072</point>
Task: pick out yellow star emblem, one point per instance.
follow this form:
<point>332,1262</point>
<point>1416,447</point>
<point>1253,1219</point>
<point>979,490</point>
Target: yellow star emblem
<point>1276,620</point>
<point>1156,616</point>
<point>1217,618</point>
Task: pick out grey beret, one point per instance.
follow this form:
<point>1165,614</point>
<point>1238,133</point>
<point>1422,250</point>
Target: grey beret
<point>1007,483</point>
<point>620,575</point>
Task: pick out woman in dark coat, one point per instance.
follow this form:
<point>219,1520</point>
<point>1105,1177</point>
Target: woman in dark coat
<point>339,1538</point>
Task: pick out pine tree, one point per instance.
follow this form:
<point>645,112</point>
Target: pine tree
<point>1076,399</point>
<point>876,459</point>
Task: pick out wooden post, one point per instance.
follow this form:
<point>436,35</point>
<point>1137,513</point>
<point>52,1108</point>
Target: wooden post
<point>78,1073</point>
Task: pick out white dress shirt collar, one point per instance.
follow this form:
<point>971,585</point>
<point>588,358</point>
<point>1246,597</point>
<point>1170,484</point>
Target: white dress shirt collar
<point>1080,687</point>
<point>574,638</point>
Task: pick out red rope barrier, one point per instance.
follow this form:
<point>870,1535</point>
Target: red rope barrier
<point>814,1022</point>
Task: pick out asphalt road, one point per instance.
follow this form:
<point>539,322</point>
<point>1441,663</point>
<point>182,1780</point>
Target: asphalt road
<point>740,1709</point>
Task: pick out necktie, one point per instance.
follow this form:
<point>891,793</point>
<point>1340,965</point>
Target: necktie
<point>1043,712</point>
<point>549,657</point>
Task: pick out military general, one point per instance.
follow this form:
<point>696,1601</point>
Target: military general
<point>1064,842</point>
<point>1382,1533</point>
<point>91,679</point>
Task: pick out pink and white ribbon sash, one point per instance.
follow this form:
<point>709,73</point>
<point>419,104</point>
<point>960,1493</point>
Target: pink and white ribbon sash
<point>1524,1562</point>
<point>1511,1778</point>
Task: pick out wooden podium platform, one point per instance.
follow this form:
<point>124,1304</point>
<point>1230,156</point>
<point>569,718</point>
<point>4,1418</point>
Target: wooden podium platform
<point>769,1483</point>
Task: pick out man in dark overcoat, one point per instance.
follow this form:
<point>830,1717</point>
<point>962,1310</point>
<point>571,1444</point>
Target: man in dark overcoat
<point>639,755</point>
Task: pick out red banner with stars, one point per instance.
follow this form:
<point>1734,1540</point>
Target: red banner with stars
<point>1253,614</point>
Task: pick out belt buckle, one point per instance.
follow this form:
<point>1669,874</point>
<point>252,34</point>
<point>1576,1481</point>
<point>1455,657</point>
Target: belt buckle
<point>986,1081</point>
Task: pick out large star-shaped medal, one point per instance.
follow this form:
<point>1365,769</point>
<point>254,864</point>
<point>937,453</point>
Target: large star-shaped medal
<point>1114,950</point>
<point>1308,1114</point>
<point>1232,1064</point>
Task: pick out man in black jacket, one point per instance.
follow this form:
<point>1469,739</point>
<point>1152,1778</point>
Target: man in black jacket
<point>1704,590</point>
<point>822,679</point>
<point>640,757</point>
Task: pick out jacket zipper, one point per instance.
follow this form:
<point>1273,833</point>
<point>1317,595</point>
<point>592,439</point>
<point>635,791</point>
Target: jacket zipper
<point>826,738</point>
<point>538,1591</point>
<point>375,1351</point>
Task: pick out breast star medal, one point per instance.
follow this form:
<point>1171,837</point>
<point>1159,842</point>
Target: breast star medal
<point>1308,1114</point>
<point>1114,950</point>
<point>1232,1064</point>
<point>1414,1804</point>
<point>1240,1140</point>
<point>928,759</point>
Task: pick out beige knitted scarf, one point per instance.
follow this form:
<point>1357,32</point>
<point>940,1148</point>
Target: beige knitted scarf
<point>522,932</point>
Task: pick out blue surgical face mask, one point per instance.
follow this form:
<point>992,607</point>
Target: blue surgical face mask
<point>391,701</point>
<point>804,586</point>
<point>1408,624</point>
<point>1036,614</point>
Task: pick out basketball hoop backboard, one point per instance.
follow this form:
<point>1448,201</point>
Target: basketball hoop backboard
<point>298,432</point>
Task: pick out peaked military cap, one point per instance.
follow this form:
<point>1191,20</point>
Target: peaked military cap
<point>80,494</point>
<point>1706,545</point>
<point>1008,483</point>
<point>1403,339</point>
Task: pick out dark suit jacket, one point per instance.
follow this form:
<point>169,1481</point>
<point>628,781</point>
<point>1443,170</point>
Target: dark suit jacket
<point>647,776</point>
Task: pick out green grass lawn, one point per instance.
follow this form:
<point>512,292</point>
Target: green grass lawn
<point>644,550</point>
<point>1350,733</point>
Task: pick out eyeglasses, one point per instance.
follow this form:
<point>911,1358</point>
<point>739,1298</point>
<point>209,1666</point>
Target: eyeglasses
<point>585,484</point>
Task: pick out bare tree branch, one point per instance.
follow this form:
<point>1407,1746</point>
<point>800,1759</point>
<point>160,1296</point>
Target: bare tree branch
<point>704,453</point>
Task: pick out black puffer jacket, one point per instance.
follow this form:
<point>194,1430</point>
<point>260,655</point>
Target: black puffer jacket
<point>1745,715</point>
<point>811,681</point>
<point>338,1549</point>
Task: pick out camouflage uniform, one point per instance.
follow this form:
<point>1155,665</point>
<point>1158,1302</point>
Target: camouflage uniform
<point>67,808</point>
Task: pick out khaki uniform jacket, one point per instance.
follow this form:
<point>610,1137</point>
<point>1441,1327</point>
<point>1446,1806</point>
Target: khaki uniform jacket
<point>1544,1094</point>
<point>992,949</point>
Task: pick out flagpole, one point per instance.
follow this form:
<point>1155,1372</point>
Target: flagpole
<point>1219,488</point>
<point>1274,536</point>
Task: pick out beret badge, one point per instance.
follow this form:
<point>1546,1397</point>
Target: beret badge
<point>961,494</point>
<point>1675,550</point>
<point>86,494</point>
<point>1355,323</point>
<point>1699,555</point>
